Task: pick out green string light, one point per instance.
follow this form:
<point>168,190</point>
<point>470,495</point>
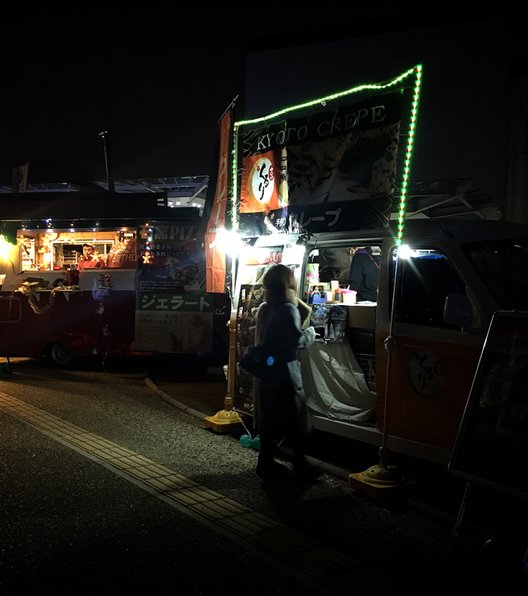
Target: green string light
<point>234,189</point>
<point>415,70</point>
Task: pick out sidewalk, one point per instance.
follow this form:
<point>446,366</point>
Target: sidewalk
<point>204,396</point>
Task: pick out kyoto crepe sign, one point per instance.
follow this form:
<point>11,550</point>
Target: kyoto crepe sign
<point>326,171</point>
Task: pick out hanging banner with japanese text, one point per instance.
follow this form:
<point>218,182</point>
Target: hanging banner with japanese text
<point>171,322</point>
<point>172,314</point>
<point>327,171</point>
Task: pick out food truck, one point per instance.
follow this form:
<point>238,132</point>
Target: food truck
<point>452,275</point>
<point>141,293</point>
<point>314,183</point>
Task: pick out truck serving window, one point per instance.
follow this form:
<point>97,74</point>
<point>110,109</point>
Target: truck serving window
<point>425,280</point>
<point>503,266</point>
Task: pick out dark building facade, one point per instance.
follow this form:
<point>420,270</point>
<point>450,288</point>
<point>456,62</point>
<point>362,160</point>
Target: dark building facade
<point>474,105</point>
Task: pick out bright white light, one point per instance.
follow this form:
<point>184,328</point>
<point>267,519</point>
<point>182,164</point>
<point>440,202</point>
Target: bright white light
<point>294,253</point>
<point>228,242</point>
<point>5,248</point>
<point>405,252</point>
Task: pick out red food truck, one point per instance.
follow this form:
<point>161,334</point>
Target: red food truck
<point>104,273</point>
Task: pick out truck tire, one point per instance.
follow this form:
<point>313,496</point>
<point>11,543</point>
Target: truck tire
<point>60,353</point>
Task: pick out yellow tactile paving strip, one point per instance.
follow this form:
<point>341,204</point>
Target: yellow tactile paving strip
<point>319,566</point>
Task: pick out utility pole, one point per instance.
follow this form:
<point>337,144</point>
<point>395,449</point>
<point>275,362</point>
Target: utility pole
<point>105,135</point>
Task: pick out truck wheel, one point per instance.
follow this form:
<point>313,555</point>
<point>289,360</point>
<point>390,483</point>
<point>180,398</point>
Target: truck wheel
<point>61,354</point>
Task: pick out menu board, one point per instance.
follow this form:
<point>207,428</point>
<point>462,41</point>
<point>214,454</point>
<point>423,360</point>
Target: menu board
<point>250,297</point>
<point>492,441</point>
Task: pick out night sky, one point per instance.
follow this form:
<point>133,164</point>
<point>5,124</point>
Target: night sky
<point>161,103</point>
<point>161,99</point>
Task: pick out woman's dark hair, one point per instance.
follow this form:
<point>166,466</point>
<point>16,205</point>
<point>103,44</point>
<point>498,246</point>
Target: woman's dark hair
<point>277,280</point>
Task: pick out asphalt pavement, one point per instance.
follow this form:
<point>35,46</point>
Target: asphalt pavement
<point>86,456</point>
<point>498,521</point>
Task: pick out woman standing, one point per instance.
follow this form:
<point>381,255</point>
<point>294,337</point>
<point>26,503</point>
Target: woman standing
<point>280,410</point>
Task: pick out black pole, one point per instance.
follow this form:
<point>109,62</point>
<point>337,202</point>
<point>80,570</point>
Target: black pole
<point>105,135</point>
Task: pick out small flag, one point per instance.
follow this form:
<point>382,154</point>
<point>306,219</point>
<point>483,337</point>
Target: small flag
<point>20,177</point>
